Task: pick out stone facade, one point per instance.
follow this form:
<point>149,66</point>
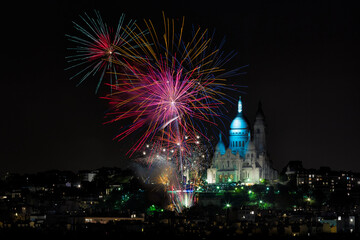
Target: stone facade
<point>246,160</point>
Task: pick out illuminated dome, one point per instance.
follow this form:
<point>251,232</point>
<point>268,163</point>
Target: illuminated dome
<point>220,147</point>
<point>239,132</point>
<point>239,121</point>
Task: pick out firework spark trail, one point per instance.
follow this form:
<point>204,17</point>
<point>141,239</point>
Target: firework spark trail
<point>163,168</point>
<point>164,99</point>
<point>96,47</point>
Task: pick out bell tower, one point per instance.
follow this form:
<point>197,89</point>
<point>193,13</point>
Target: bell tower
<point>260,131</point>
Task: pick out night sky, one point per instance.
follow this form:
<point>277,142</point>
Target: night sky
<point>303,61</point>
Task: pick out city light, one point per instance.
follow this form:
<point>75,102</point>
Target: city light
<point>191,157</point>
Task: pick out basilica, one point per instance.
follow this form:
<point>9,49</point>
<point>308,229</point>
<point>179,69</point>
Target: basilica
<point>246,159</point>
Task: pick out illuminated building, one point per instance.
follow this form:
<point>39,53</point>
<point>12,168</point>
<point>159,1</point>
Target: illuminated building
<point>322,179</point>
<point>246,159</point>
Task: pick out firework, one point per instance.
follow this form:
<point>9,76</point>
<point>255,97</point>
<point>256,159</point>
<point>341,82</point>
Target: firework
<point>96,47</point>
<point>163,102</point>
<point>177,170</point>
<point>170,88</point>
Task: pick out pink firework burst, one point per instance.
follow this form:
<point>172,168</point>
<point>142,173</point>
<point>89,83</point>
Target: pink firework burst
<point>162,99</point>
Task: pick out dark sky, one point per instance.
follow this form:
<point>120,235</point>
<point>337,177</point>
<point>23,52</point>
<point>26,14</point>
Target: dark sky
<point>303,61</point>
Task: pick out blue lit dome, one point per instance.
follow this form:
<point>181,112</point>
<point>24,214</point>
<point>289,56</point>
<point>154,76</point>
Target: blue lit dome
<point>239,122</point>
<point>239,132</point>
<point>220,147</point>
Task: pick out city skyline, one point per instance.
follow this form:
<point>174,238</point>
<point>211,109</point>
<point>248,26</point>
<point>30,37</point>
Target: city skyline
<point>302,67</point>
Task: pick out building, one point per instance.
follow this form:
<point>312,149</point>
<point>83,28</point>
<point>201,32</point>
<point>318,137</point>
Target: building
<point>246,159</point>
<point>323,178</point>
<point>87,175</point>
